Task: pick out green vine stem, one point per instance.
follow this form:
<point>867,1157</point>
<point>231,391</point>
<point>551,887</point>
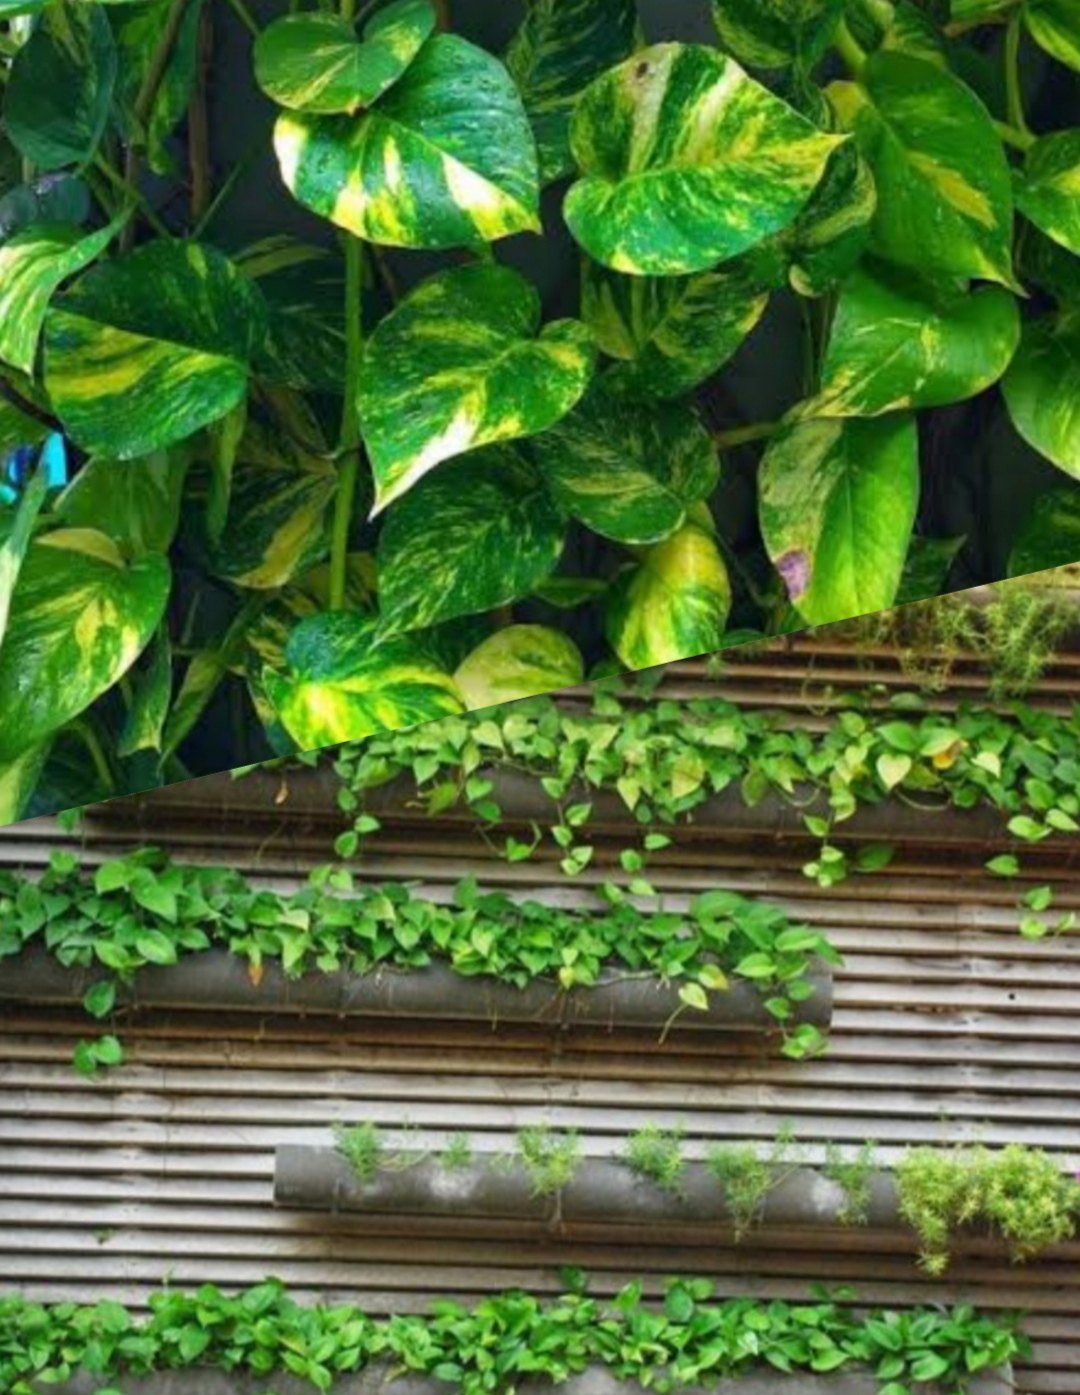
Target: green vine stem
<point>143,106</point>
<point>745,435</point>
<point>849,48</point>
<point>1014,92</point>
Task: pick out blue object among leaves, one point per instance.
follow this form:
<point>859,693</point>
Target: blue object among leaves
<point>16,469</point>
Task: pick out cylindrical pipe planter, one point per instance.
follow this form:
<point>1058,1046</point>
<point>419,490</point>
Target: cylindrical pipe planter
<point>595,1381</point>
<point>217,979</point>
<point>602,1192</point>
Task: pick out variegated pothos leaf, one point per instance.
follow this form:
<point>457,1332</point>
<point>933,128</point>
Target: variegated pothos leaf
<point>462,362</point>
<point>686,162</point>
<point>1042,389</point>
<point>776,33</point>
<point>518,662</point>
<point>1048,190</point>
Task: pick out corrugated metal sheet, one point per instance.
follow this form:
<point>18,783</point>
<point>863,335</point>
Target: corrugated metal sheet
<point>947,1026</point>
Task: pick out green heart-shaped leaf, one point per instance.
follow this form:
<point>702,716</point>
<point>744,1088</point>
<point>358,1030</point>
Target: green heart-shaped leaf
<point>776,33</point>
<point>1055,26</point>
<point>831,233</point>
<point>476,535</point>
<point>60,87</point>
<point>446,158</point>
<point>561,47</point>
<point>671,333</point>
<point>837,507</point>
<point>315,62</point>
<point>79,619</point>
<point>138,506</point>
<point>893,769</point>
<point>460,364</point>
<point>342,684</point>
<point>628,470</point>
<point>19,780</point>
<point>1050,536</point>
<point>943,183</point>
<point>15,533</point>
<point>148,348</point>
<point>899,341</point>
<point>1048,190</point>
<point>33,264</point>
<point>1042,389</point>
<point>686,162</point>
<point>673,605</point>
<point>519,662</point>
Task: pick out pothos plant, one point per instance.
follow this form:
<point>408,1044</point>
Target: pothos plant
<point>358,508</point>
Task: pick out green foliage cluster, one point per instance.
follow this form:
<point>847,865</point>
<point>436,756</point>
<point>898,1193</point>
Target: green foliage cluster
<point>144,909</point>
<point>665,759</point>
<point>337,484</point>
<point>692,1339</point>
<point>1018,1192</point>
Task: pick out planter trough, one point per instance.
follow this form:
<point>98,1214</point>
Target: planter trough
<point>219,980</point>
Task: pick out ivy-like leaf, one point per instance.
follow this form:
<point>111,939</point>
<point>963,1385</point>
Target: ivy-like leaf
<point>342,684</point>
<point>1050,536</point>
<point>137,505</point>
<point>1055,26</point>
<point>900,341</point>
<point>53,198</point>
<point>837,505</point>
<point>673,605</point>
<point>518,662</point>
<point>831,233</point>
<point>60,87</point>
<point>1048,190</point>
<point>15,534</point>
<point>148,348</point>
<point>561,47</point>
<point>672,333</point>
<point>79,619</point>
<point>686,162</point>
<point>445,159</point>
<point>776,33</point>
<point>304,291</point>
<point>1042,389</point>
<point>33,264</point>
<point>478,534</point>
<point>462,363</point>
<point>943,183</point>
<point>145,725</point>
<point>628,470</point>
<point>19,780</point>
<point>18,428</point>
<point>316,63</point>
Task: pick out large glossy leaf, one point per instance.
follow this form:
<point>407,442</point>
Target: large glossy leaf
<point>561,47</point>
<point>686,162</point>
<point>1048,190</point>
<point>900,342</point>
<point>316,62</point>
<point>52,198</point>
<point>1050,536</point>
<point>831,233</point>
<point>628,469</point>
<point>33,264</point>
<point>15,534</point>
<point>79,619</point>
<point>18,779</point>
<point>943,183</point>
<point>17,428</point>
<point>1042,389</point>
<point>462,362</point>
<point>343,685</point>
<point>304,291</point>
<point>144,729</point>
<point>445,159</point>
<point>56,102</point>
<point>837,508</point>
<point>519,662</point>
<point>776,33</point>
<point>137,504</point>
<point>476,535</point>
<point>148,348</point>
<point>673,605</point>
<point>1055,25</point>
<point>671,333</point>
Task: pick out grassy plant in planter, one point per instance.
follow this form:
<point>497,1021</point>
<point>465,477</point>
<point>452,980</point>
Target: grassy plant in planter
<point>404,497</point>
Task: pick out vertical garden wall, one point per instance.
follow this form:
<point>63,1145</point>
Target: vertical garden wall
<point>903,983</point>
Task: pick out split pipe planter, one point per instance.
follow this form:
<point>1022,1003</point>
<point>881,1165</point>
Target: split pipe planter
<point>602,1192</point>
<point>219,980</point>
<point>595,1381</point>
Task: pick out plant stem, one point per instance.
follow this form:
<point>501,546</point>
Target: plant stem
<point>89,737</point>
<point>244,15</point>
<point>1019,140</point>
<point>1014,93</point>
<point>849,48</point>
<point>198,122</point>
<point>746,435</point>
<point>143,106</point>
<point>134,197</point>
<point>349,445</point>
